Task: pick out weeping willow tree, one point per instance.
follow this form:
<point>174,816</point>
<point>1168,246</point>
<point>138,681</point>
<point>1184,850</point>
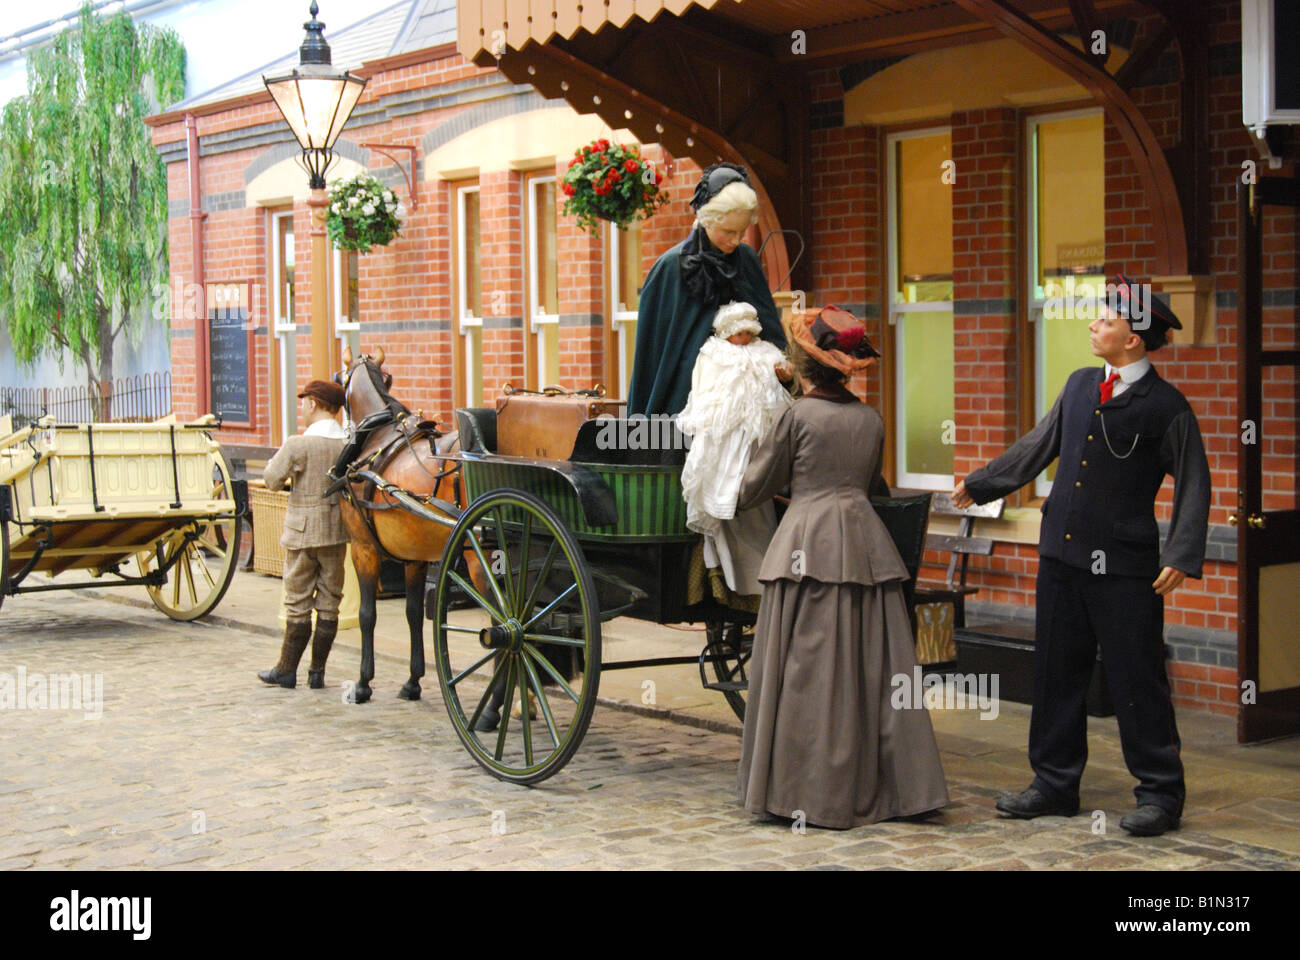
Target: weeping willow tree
<point>83,194</point>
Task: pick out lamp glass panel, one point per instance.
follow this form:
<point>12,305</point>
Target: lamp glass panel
<point>351,93</point>
<point>285,94</point>
<point>320,106</point>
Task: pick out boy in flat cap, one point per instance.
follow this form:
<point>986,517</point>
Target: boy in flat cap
<point>314,539</point>
<point>1102,576</point>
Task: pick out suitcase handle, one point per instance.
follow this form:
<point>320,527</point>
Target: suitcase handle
<point>554,390</point>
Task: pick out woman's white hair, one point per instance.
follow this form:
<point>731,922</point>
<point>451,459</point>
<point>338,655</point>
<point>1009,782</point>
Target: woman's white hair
<point>734,196</point>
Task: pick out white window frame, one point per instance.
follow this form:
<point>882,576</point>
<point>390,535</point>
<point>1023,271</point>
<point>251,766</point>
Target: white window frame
<point>285,331</point>
<point>467,320</point>
<point>899,309</point>
<point>536,317</point>
<point>1037,295</point>
<point>620,315</point>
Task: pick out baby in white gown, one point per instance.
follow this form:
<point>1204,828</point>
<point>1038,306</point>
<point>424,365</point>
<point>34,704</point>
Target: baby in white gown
<point>736,396</point>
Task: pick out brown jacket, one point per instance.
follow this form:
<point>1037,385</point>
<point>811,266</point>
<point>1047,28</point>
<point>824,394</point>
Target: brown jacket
<point>829,452</point>
<point>311,520</point>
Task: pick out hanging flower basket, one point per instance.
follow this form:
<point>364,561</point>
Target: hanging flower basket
<point>363,213</point>
<point>611,182</point>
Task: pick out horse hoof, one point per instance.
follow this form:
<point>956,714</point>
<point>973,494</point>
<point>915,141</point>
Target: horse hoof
<point>409,691</point>
<point>488,721</point>
<point>359,695</point>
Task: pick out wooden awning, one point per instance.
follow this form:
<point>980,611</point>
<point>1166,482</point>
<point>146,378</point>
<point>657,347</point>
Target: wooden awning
<point>728,79</point>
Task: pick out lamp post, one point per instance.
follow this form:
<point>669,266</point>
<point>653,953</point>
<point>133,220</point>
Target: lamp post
<point>316,101</point>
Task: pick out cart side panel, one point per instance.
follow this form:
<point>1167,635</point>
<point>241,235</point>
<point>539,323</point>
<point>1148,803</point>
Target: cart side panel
<point>648,500</point>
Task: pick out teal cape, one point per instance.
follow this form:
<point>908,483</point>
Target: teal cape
<point>672,325</point>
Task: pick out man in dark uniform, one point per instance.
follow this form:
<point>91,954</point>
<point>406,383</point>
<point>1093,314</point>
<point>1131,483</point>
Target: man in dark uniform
<point>1102,577</point>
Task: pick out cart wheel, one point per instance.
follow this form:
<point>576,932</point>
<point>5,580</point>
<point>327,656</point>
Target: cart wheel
<point>733,647</point>
<point>210,550</point>
<point>537,610</point>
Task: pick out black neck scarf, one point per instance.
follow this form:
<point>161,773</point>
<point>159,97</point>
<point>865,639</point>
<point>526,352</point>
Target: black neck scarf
<point>709,274</point>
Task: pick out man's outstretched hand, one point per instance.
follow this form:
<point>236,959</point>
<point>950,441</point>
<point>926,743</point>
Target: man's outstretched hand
<point>960,498</point>
<point>1169,581</point>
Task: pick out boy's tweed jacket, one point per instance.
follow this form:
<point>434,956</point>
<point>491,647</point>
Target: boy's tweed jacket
<point>311,520</point>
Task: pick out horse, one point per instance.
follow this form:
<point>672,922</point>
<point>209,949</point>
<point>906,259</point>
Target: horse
<point>391,444</point>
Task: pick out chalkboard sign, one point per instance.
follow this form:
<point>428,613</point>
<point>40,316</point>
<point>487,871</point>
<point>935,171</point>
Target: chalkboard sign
<point>228,339</point>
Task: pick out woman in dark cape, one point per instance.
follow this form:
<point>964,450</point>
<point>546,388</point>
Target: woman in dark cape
<point>686,286</point>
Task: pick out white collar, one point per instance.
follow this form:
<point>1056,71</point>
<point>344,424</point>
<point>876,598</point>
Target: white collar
<point>1130,373</point>
<point>326,428</point>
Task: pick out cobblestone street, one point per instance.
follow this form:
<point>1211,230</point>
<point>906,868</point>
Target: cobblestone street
<point>195,764</point>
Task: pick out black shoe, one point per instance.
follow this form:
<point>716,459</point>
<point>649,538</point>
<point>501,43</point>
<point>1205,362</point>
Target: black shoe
<point>287,680</point>
<point>1030,803</point>
<point>1149,820</point>
<point>316,679</point>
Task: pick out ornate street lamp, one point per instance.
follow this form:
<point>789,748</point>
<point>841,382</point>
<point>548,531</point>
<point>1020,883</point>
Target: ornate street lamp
<point>316,101</point>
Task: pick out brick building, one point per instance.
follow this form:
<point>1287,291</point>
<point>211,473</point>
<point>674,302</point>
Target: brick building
<point>947,180</point>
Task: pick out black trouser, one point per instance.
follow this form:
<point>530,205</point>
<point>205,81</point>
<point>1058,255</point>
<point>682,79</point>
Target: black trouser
<point>1077,610</point>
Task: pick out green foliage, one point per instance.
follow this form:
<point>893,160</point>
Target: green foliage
<point>83,193</point>
<point>611,182</point>
<point>362,213</point>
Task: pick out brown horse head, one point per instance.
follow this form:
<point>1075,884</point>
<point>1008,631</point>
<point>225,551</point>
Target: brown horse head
<point>369,393</point>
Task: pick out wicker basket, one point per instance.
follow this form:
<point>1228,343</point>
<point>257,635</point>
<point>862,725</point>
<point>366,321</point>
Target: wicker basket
<point>268,523</point>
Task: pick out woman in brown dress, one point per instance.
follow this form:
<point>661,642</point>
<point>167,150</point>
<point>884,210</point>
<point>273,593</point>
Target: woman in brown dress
<point>821,737</point>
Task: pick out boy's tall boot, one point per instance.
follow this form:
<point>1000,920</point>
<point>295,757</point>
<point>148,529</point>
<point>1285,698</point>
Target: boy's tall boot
<point>326,631</point>
<point>285,672</point>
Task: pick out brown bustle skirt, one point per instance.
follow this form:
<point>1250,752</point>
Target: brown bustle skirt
<point>820,734</point>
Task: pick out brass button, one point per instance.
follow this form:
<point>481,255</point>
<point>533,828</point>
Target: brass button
<point>1090,436</point>
<point>1077,483</point>
<point>1096,412</point>
<point>1067,536</point>
<point>1083,463</point>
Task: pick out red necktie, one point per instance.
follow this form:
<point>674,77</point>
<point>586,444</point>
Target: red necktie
<point>1108,387</point>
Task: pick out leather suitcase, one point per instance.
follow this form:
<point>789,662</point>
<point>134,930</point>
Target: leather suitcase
<point>545,425</point>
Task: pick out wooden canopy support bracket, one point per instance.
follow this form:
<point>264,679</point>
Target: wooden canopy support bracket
<point>1153,169</point>
<point>412,185</point>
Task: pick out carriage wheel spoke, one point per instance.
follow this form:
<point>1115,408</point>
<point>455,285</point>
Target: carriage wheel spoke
<point>542,701</point>
<point>551,606</point>
<point>189,580</point>
<point>468,670</point>
<point>518,597</point>
<point>546,665</point>
<point>524,718</point>
<point>505,553</point>
<point>555,638</point>
<point>541,578</point>
<point>483,702</point>
<point>481,600</point>
<point>487,570</point>
<point>203,567</point>
<point>505,710</point>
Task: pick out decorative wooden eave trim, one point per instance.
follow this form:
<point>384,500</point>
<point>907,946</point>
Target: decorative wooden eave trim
<point>485,28</point>
<point>551,70</point>
<point>1149,157</point>
<point>367,69</point>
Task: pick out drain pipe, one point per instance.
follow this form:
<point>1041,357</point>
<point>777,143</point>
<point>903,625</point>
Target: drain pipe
<point>202,345</point>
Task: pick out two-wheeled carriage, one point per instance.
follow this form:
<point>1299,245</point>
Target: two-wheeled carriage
<point>546,552</point>
<point>145,504</point>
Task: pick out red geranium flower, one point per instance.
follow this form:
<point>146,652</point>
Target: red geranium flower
<point>614,175</point>
<point>659,176</point>
<point>602,144</point>
<point>630,166</point>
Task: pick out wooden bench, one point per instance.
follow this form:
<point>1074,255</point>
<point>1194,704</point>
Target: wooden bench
<point>964,544</point>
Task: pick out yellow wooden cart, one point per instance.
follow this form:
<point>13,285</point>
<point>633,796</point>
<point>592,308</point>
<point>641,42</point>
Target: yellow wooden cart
<point>148,504</point>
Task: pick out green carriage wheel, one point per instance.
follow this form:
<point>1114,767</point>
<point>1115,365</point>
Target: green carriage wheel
<point>210,551</point>
<point>537,610</point>
<point>733,647</point>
